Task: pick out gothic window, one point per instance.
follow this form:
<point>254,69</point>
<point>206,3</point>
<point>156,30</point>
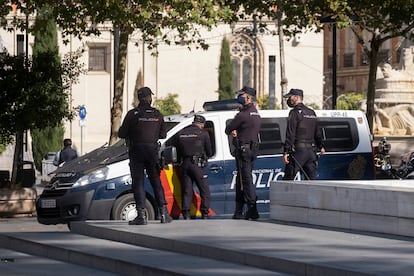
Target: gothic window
<point>242,57</point>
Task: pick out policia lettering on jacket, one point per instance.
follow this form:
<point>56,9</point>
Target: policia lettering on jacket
<point>303,138</point>
<point>142,127</point>
<point>244,129</point>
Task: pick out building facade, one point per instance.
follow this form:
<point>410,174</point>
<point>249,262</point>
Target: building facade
<point>192,74</point>
<point>352,64</point>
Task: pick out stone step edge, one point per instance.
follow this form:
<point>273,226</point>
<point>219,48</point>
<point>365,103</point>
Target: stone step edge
<point>79,258</point>
<point>206,251</point>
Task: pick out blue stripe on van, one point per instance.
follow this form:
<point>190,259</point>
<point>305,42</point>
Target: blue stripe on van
<point>268,169</point>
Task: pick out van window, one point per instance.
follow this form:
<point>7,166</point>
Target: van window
<point>170,125</point>
<point>209,126</point>
<point>271,132</point>
<point>339,134</point>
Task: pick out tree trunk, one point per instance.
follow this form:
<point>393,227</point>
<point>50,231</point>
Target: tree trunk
<point>17,159</point>
<point>116,110</point>
<point>373,58</point>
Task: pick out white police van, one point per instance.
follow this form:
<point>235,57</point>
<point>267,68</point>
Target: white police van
<point>98,185</point>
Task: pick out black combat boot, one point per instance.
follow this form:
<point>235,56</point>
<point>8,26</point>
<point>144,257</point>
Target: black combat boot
<point>186,214</point>
<point>252,213</point>
<point>204,215</point>
<point>165,217</point>
<point>141,218</point>
<point>238,213</point>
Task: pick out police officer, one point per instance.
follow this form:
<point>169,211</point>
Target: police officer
<point>195,148</point>
<point>244,129</point>
<point>303,138</point>
<point>142,127</point>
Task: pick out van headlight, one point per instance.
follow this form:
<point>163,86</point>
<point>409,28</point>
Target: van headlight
<point>95,176</point>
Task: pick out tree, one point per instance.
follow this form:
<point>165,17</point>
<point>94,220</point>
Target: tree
<point>49,138</point>
<point>28,100</point>
<point>226,74</point>
<point>373,23</point>
<point>263,102</point>
<point>168,105</point>
<point>351,101</point>
<point>154,20</point>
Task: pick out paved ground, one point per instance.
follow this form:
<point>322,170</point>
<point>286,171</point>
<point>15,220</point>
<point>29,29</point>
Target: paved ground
<point>201,247</point>
<point>17,263</point>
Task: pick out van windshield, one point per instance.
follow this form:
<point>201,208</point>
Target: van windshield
<point>170,125</point>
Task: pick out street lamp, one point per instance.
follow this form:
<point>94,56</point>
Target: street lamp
<point>255,50</point>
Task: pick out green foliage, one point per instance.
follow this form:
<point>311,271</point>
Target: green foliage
<point>263,102</point>
<point>350,101</point>
<point>48,139</point>
<point>168,105</point>
<point>372,22</point>
<point>154,19</point>
<point>2,148</point>
<point>314,106</point>
<point>226,75</point>
<point>30,99</point>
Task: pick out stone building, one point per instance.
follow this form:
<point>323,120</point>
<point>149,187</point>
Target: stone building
<point>192,74</point>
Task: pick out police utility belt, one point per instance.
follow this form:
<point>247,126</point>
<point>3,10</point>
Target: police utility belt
<point>304,145</point>
<point>198,160</point>
<point>250,146</point>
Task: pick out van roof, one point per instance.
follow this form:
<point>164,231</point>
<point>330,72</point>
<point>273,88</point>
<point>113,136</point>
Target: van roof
<point>267,113</point>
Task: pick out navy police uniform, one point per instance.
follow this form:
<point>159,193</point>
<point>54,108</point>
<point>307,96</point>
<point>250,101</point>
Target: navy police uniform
<point>142,127</point>
<point>303,138</point>
<point>195,149</point>
<point>247,124</point>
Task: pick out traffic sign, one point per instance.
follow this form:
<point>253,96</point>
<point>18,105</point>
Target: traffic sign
<point>82,112</point>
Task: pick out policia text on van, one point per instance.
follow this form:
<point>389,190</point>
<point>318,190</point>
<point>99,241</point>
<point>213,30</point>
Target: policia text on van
<point>98,184</point>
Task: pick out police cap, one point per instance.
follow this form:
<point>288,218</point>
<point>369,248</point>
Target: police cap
<point>144,92</point>
<point>294,92</point>
<point>199,119</point>
<point>248,90</point>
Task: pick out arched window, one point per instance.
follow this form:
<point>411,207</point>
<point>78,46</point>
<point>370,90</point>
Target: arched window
<point>242,56</point>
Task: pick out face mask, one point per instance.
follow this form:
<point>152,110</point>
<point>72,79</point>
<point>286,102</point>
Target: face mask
<point>241,100</point>
<point>290,103</point>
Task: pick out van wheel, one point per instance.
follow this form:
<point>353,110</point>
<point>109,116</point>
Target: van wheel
<point>125,208</point>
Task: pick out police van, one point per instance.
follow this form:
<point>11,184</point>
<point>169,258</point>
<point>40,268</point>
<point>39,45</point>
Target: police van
<point>97,186</point>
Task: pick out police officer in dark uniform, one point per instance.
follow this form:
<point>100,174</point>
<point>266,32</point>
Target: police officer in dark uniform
<point>67,153</point>
<point>303,138</point>
<point>245,128</point>
<point>142,127</point>
<point>195,149</point>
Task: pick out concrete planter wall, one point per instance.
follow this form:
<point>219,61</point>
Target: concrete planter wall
<point>376,206</point>
<point>17,202</point>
